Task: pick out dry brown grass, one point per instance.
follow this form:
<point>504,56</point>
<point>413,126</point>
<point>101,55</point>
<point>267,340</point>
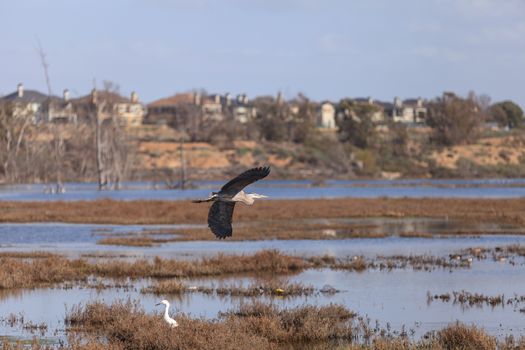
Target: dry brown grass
<point>468,299</point>
<point>252,326</point>
<point>268,261</point>
<point>169,212</point>
<point>282,230</point>
<point>416,235</point>
<point>19,273</point>
<point>271,288</point>
<point>459,336</point>
<point>27,255</point>
<point>260,326</point>
<point>46,271</point>
<point>129,241</point>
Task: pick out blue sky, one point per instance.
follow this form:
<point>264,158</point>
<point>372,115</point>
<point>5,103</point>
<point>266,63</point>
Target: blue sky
<point>327,49</point>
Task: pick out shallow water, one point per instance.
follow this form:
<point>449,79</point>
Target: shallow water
<point>75,240</point>
<point>284,189</point>
<point>398,297</point>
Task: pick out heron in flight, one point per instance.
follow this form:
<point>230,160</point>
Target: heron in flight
<point>221,211</point>
<point>172,323</point>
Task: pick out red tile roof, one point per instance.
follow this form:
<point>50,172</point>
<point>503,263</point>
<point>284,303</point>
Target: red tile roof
<point>178,99</point>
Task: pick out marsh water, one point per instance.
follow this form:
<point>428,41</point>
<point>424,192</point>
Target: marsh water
<point>77,240</point>
<point>396,298</point>
<point>282,189</point>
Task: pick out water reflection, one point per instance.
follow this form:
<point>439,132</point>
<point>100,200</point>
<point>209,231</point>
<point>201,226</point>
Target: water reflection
<point>397,297</point>
<point>80,240</point>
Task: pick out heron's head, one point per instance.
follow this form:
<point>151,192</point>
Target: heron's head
<point>165,302</point>
<point>256,195</point>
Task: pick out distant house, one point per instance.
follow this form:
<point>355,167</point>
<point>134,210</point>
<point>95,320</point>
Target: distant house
<point>243,111</point>
<point>39,107</point>
<point>129,111</point>
<point>27,103</point>
<point>410,111</point>
<point>212,107</point>
<point>378,114</point>
<point>326,116</point>
<point>167,110</point>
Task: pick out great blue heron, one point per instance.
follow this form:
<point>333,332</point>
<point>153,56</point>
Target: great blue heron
<point>172,323</point>
<point>221,211</point>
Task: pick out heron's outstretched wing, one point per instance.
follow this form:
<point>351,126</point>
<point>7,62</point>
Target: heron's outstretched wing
<point>220,218</point>
<point>241,181</point>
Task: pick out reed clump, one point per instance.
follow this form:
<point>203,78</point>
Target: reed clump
<point>129,241</point>
<point>459,336</point>
<point>252,326</point>
<point>124,325</point>
<point>20,273</point>
<point>273,288</point>
<point>468,299</point>
<point>17,273</point>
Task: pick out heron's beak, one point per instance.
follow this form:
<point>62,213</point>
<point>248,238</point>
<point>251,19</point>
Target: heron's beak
<point>157,304</point>
<point>262,196</point>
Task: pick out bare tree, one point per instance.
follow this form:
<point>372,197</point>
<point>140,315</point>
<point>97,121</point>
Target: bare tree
<point>58,148</point>
<point>13,127</point>
<point>113,153</point>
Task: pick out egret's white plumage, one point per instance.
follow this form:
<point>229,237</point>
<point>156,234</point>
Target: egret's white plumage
<point>166,316</point>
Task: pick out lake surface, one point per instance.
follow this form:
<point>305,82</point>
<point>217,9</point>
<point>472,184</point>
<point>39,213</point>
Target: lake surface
<point>75,240</point>
<point>283,189</point>
<point>397,298</point>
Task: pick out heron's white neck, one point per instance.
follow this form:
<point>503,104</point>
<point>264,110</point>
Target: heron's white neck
<point>256,196</point>
<point>251,197</point>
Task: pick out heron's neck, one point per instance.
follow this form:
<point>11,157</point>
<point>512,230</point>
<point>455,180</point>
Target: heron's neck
<point>166,311</point>
<point>249,198</point>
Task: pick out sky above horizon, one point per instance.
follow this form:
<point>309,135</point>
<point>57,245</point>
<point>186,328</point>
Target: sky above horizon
<point>326,49</point>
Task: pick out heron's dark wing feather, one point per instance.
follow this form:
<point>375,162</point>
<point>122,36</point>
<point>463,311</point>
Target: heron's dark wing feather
<point>220,218</point>
<point>241,181</point>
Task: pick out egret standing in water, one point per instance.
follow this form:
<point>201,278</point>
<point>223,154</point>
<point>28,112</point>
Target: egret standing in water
<point>167,317</point>
<point>221,211</point>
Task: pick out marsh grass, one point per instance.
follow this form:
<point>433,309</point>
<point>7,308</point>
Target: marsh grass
<point>130,241</point>
<point>468,299</point>
<point>252,326</point>
<point>255,325</point>
<point>19,273</point>
<point>167,212</point>
<point>28,255</point>
<point>459,336</point>
<point>272,229</point>
<point>53,270</point>
<point>272,288</point>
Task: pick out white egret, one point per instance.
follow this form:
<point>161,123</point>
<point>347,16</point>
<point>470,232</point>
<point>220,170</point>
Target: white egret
<point>167,317</point>
<point>221,211</point>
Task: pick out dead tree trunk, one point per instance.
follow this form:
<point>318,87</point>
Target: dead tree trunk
<point>97,110</point>
<point>182,165</point>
